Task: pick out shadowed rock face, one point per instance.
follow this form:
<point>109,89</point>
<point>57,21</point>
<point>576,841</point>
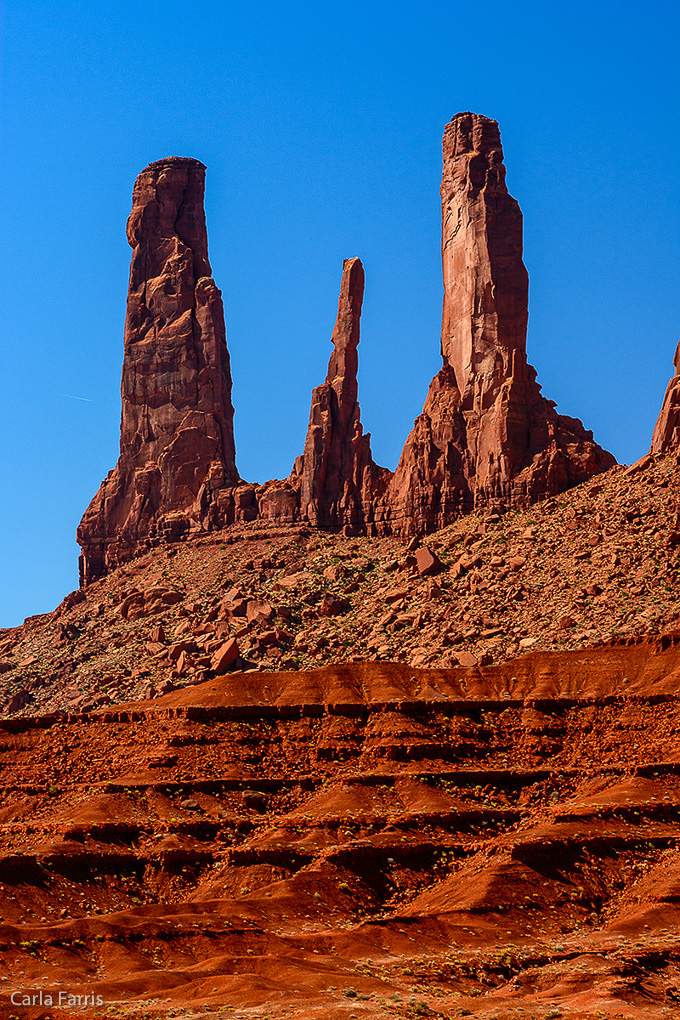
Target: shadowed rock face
<point>666,437</point>
<point>177,417</point>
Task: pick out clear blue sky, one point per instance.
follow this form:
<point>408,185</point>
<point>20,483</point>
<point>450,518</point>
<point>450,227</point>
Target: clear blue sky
<point>321,128</point>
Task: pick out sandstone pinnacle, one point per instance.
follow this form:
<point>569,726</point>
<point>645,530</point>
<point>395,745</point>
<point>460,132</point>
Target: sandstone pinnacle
<point>666,437</point>
<point>336,470</point>
<point>177,416</point>
<point>486,436</point>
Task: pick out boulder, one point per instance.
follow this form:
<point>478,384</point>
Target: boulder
<point>427,562</point>
<point>333,606</point>
<point>225,656</point>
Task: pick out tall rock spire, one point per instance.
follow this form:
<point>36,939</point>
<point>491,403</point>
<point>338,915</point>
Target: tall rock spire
<point>486,435</point>
<point>666,437</point>
<point>177,416</point>
<point>336,470</point>
<point>486,285</point>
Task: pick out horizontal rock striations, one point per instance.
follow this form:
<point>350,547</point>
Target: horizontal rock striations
<point>413,842</point>
<point>177,418</point>
<point>486,436</point>
<point>666,436</point>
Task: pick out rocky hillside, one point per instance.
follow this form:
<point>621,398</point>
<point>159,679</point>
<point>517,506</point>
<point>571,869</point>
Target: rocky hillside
<point>599,561</point>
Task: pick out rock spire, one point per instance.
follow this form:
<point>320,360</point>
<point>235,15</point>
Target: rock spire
<point>336,471</point>
<point>486,435</point>
<point>177,417</point>
<point>666,435</point>
<point>486,285</point>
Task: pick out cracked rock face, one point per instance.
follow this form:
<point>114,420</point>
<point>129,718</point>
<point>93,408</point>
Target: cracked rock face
<point>177,417</point>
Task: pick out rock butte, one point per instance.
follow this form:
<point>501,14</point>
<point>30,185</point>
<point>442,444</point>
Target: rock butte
<point>486,436</point>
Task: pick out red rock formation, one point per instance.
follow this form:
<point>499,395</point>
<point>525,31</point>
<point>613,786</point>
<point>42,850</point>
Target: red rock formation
<point>335,482</point>
<point>666,437</point>
<point>336,471</point>
<point>486,435</point>
<point>177,439</point>
<point>486,284</point>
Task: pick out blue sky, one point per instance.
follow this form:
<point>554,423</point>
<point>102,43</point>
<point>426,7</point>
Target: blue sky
<point>321,128</point>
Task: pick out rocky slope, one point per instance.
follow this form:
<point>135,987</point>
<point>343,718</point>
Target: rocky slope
<point>598,561</point>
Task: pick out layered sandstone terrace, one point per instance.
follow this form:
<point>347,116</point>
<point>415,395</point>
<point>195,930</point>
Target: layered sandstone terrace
<point>486,437</point>
<point>361,840</point>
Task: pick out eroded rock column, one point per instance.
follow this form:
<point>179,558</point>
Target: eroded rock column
<point>177,436</point>
<point>336,471</point>
<point>486,437</point>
